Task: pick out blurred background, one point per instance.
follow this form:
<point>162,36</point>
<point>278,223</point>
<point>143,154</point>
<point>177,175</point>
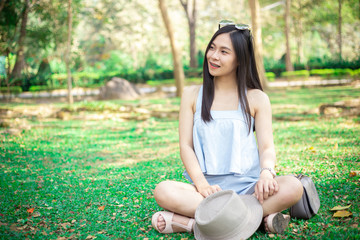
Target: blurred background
<point>128,39</point>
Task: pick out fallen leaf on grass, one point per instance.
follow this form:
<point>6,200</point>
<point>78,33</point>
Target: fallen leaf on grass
<point>65,225</point>
<point>342,213</point>
<point>354,173</point>
<point>312,149</point>
<point>101,208</point>
<point>90,237</point>
<point>339,208</point>
<point>30,210</point>
<point>36,214</point>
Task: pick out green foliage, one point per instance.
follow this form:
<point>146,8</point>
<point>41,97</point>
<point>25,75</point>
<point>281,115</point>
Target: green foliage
<point>58,66</point>
<point>274,66</point>
<point>13,89</point>
<point>330,73</point>
<point>40,88</point>
<point>278,67</point>
<point>270,76</point>
<point>162,82</point>
<point>296,74</point>
<point>356,74</point>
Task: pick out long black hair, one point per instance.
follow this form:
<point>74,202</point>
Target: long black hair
<point>247,76</point>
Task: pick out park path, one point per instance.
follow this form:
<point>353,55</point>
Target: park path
<point>81,92</point>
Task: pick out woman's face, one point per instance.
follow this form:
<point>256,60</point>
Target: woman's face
<point>221,56</point>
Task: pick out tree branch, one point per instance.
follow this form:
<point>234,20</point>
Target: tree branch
<point>2,4</point>
<point>185,6</point>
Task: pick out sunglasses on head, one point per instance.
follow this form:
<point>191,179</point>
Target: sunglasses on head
<point>238,26</point>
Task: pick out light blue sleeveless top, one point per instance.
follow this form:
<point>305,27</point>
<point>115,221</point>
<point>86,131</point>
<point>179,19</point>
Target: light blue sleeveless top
<point>224,145</point>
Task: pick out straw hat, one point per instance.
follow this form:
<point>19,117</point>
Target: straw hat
<point>225,215</point>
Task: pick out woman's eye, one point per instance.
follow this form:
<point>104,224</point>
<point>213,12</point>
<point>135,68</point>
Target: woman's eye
<point>224,52</point>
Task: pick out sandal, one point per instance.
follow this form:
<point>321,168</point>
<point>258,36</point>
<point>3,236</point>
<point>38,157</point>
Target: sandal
<point>168,216</point>
<point>277,222</point>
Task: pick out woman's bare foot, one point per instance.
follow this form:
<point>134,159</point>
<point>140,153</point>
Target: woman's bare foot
<point>265,224</point>
<point>177,222</point>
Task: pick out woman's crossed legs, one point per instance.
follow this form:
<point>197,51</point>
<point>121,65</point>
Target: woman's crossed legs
<point>183,199</point>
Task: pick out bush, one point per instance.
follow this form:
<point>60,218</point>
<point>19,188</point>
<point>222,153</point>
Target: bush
<point>193,72</point>
<point>270,76</point>
<point>58,79</point>
<point>296,74</point>
<point>13,90</point>
<point>274,66</point>
<point>40,88</point>
<point>330,73</point>
<point>355,74</point>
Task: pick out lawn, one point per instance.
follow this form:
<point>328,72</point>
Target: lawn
<point>91,174</point>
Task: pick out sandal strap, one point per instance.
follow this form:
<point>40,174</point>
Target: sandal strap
<point>277,222</point>
<point>188,227</point>
<point>168,216</point>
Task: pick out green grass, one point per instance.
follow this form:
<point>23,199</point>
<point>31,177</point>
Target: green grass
<point>159,83</point>
<point>66,170</point>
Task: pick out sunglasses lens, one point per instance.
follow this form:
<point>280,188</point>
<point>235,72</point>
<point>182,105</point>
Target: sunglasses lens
<point>242,27</point>
<point>224,23</point>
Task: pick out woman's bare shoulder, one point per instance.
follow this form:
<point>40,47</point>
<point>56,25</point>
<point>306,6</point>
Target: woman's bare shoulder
<point>189,96</point>
<point>258,100</point>
<point>257,96</point>
<point>191,90</point>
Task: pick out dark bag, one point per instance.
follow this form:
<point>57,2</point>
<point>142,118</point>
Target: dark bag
<point>309,203</point>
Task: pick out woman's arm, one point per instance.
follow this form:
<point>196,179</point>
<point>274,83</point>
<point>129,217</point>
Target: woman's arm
<point>261,110</point>
<point>188,157</point>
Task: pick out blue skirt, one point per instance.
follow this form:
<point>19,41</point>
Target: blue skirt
<point>238,183</point>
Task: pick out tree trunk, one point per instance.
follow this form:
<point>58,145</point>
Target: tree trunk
<point>256,31</point>
<point>340,35</point>
<point>2,4</point>
<point>300,54</point>
<point>7,79</point>
<point>288,64</point>
<point>191,18</point>
<point>176,53</point>
<point>20,59</point>
<point>68,52</point>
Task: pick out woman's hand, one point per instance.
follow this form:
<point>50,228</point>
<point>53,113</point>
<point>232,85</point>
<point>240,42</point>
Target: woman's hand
<point>206,191</point>
<point>266,186</point>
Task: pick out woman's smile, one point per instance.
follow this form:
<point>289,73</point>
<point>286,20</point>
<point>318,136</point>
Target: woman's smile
<point>213,65</point>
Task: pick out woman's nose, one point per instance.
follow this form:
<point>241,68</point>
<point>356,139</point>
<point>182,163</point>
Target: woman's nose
<point>215,55</point>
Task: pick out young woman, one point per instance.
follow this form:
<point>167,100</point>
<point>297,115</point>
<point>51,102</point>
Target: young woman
<point>217,143</point>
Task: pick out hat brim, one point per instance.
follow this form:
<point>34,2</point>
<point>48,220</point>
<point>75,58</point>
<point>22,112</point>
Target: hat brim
<point>242,232</point>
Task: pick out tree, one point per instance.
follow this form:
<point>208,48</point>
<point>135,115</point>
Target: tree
<point>20,59</point>
<point>258,48</point>
<point>298,17</point>
<point>176,53</point>
<point>190,10</point>
<point>68,53</point>
<point>288,64</point>
<point>339,27</point>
